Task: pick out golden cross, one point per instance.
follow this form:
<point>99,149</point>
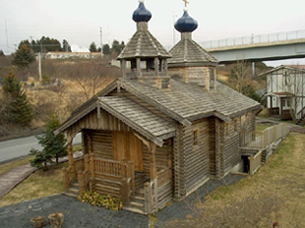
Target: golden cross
<point>186,2</point>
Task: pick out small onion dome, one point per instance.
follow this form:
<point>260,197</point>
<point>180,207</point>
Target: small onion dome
<point>186,23</point>
<point>141,14</point>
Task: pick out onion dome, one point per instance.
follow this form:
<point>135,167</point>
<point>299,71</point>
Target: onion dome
<point>141,14</point>
<point>186,23</point>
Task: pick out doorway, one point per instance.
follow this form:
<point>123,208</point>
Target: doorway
<point>126,144</point>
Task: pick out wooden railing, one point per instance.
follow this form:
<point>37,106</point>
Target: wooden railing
<point>255,162</point>
<point>164,176</point>
<point>301,113</point>
<point>122,171</point>
<point>79,164</point>
<point>273,111</point>
<point>260,140</point>
<point>110,167</point>
<point>68,177</point>
<point>84,174</point>
<point>88,167</point>
<point>150,197</point>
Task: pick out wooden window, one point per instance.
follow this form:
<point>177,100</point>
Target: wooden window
<point>235,124</point>
<point>195,137</point>
<point>227,128</point>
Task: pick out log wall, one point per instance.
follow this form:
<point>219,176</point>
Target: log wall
<point>196,156</point>
<point>163,156</point>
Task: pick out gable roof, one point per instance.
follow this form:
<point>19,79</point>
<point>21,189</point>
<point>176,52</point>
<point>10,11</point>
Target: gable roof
<point>189,102</point>
<point>182,102</point>
<point>143,44</point>
<point>188,53</point>
<point>139,118</point>
<point>290,67</point>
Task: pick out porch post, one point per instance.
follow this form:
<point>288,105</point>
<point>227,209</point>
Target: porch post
<point>153,169</point>
<point>71,159</point>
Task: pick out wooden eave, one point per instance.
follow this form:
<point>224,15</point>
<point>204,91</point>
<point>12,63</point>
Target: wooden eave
<point>85,108</point>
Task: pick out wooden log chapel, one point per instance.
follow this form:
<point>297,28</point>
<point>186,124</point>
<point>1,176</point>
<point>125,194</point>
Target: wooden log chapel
<point>161,130</point>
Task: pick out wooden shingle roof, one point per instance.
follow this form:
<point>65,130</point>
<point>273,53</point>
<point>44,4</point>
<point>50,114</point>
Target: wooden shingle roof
<point>139,118</point>
<point>188,53</point>
<point>189,102</point>
<point>143,44</point>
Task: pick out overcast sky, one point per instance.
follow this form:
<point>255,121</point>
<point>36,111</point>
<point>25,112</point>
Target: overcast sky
<point>79,22</point>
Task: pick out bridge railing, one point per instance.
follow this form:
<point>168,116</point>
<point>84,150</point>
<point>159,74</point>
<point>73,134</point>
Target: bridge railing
<point>254,39</point>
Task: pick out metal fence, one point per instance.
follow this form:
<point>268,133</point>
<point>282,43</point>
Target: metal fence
<point>254,39</point>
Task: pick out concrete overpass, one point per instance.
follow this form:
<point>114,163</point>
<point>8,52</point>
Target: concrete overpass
<point>255,48</point>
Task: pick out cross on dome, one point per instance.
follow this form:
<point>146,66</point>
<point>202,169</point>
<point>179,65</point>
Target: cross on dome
<point>185,2</point>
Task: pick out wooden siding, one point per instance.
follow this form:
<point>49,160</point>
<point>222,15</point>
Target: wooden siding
<point>212,147</point>
<point>105,122</point>
<point>178,159</point>
<point>164,187</point>
<point>196,156</point>
<point>102,144</point>
<point>163,156</point>
<point>220,133</point>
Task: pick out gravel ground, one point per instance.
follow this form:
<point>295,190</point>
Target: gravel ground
<point>81,215</point>
<point>76,214</point>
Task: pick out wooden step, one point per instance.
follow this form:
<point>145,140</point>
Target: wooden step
<point>108,187</point>
<point>135,210</point>
<point>137,205</point>
<point>108,181</point>
<point>138,198</point>
<point>70,194</point>
<point>73,190</point>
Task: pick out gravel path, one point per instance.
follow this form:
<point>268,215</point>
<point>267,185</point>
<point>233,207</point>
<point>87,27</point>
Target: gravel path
<point>76,214</point>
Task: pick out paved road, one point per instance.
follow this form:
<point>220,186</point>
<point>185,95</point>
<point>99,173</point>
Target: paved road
<point>15,148</point>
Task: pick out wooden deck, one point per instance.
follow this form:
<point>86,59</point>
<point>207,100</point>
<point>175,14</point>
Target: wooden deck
<point>254,144</point>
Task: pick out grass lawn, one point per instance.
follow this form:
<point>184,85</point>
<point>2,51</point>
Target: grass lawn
<point>274,193</point>
<point>9,165</point>
<point>39,184</point>
<point>261,127</point>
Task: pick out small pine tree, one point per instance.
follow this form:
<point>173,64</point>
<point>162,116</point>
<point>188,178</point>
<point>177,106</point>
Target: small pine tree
<point>54,146</point>
<point>19,107</point>
<point>93,47</point>
<point>23,56</point>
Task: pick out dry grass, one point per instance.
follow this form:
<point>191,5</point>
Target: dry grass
<point>9,165</point>
<point>40,184</point>
<point>261,127</point>
<point>274,193</point>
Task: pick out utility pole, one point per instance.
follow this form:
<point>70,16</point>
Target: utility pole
<point>39,62</point>
<point>101,41</point>
<point>7,44</point>
<point>253,63</point>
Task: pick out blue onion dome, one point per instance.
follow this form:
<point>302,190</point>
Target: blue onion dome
<point>141,14</point>
<point>186,23</point>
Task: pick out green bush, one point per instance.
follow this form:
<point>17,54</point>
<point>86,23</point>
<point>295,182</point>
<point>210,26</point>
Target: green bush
<point>96,199</point>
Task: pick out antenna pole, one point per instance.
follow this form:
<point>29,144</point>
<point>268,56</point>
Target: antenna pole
<point>8,47</point>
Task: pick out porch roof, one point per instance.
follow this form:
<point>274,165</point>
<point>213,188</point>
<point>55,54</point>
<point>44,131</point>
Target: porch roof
<point>139,118</point>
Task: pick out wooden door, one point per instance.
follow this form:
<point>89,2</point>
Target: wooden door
<point>119,144</point>
<point>135,152</point>
<point>126,144</point>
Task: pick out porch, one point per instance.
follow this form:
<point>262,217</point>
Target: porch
<point>139,192</point>
<point>124,165</point>
<point>279,106</point>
